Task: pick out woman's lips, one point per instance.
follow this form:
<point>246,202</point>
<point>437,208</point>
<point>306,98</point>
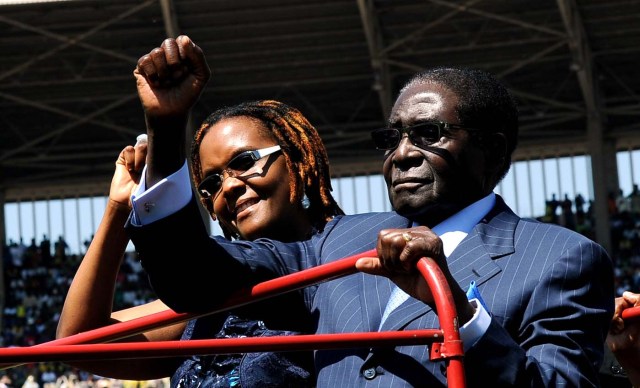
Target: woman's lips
<point>244,205</point>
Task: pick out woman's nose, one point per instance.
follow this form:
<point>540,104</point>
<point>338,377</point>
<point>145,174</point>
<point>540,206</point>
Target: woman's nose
<point>231,184</point>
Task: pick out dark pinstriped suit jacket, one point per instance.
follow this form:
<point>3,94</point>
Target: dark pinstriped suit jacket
<point>549,291</point>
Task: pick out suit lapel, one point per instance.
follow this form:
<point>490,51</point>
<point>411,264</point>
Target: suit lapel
<point>475,258</point>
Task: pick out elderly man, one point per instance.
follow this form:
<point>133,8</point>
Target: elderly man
<point>534,300</point>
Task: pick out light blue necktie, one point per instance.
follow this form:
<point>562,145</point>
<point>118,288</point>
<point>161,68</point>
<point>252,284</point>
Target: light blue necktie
<point>397,297</point>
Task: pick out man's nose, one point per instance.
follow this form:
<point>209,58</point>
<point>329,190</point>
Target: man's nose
<point>407,154</point>
<point>405,147</point>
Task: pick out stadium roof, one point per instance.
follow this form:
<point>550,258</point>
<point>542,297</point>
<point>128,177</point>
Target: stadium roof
<point>68,102</point>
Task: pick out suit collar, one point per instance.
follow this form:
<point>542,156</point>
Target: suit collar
<point>497,230</point>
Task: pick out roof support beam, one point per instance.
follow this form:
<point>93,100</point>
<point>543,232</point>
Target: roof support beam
<point>67,40</point>
<point>600,152</point>
<point>170,20</point>
<point>64,113</point>
<point>382,81</point>
<point>493,16</point>
<point>420,31</point>
<point>75,40</point>
<point>67,127</point>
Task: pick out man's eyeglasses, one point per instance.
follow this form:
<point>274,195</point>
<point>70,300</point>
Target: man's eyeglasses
<point>420,135</point>
<point>242,165</point>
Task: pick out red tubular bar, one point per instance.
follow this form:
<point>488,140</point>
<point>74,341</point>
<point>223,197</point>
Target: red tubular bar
<point>127,350</point>
<point>631,313</point>
<point>451,349</point>
<point>82,345</point>
<point>258,292</point>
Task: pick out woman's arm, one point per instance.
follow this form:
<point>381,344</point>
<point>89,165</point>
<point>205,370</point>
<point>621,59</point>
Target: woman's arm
<point>89,301</point>
<point>623,338</point>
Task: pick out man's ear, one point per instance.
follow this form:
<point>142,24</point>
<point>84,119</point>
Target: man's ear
<point>495,146</point>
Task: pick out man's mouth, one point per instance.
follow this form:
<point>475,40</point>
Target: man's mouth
<point>409,182</point>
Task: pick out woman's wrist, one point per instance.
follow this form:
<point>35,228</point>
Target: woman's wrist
<point>119,207</point>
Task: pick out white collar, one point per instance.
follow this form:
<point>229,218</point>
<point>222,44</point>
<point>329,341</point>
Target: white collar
<point>455,228</point>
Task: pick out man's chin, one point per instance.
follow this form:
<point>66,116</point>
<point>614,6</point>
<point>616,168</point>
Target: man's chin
<point>409,209</point>
<point>428,214</point>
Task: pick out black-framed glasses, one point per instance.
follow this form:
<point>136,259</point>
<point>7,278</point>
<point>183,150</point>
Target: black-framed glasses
<point>242,165</point>
<point>420,135</point>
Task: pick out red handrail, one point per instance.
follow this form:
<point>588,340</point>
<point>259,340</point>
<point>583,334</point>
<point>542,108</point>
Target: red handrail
<point>447,345</point>
<point>160,349</point>
<point>631,313</point>
<point>267,289</point>
<point>451,349</point>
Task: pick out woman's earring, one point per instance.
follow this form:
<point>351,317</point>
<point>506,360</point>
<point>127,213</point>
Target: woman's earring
<point>305,202</point>
<point>213,214</point>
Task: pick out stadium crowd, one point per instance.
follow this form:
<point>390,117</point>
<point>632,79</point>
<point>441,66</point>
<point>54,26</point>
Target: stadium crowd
<point>37,277</point>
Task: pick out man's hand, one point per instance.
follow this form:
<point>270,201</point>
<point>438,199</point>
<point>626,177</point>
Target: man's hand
<point>171,78</point>
<point>398,253</point>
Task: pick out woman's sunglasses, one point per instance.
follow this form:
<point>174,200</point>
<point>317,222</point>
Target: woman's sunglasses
<point>242,165</point>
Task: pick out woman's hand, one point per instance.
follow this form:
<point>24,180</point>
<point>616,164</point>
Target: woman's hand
<point>128,171</point>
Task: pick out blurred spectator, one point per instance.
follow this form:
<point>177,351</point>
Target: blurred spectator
<point>550,210</point>
<point>5,381</point>
<point>30,382</point>
<point>623,204</point>
<point>612,204</point>
<point>634,199</point>
<point>568,220</point>
<point>579,202</point>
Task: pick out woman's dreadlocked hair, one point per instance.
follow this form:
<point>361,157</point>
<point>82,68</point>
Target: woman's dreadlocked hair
<point>302,148</point>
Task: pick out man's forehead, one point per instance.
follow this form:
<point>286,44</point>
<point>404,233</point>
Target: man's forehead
<point>418,106</point>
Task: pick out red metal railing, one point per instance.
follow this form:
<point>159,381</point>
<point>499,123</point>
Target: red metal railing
<point>445,342</point>
<point>631,313</point>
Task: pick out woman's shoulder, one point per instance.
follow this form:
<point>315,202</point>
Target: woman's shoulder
<point>350,234</point>
<point>392,219</point>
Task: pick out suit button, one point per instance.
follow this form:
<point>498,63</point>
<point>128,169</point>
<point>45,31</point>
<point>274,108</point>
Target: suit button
<point>369,373</point>
<point>617,370</point>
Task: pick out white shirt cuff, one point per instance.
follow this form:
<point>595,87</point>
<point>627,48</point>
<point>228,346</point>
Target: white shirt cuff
<point>475,328</point>
<point>162,199</point>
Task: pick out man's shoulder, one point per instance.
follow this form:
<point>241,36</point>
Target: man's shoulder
<point>556,238</point>
<point>542,227</point>
<point>528,233</point>
<point>501,213</point>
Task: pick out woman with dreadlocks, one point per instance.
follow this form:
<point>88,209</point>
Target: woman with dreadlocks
<point>261,170</point>
<point>285,139</point>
